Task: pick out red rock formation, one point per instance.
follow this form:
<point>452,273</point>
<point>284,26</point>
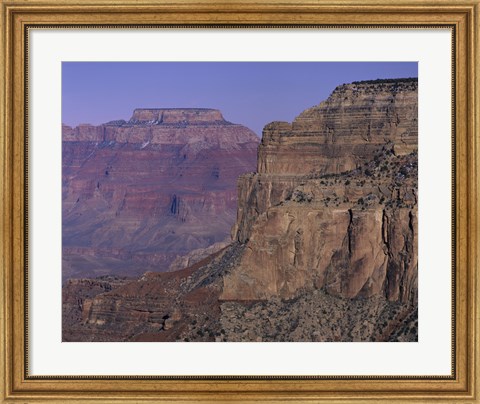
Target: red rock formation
<point>145,191</point>
<point>165,306</point>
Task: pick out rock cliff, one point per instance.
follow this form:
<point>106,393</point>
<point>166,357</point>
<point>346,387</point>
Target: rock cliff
<point>344,131</point>
<point>138,194</point>
<point>334,202</point>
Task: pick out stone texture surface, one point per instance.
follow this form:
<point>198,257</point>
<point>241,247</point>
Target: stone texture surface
<point>344,131</point>
<point>197,255</point>
<point>138,194</point>
<point>333,204</point>
<point>353,234</point>
<point>171,306</point>
<point>77,295</point>
<point>317,316</point>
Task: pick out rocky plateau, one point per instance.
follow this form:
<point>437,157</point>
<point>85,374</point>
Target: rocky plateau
<point>139,194</point>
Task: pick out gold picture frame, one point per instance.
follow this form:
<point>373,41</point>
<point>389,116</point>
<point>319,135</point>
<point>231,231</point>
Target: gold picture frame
<point>17,16</point>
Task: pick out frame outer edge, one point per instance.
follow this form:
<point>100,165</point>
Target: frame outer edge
<point>475,68</point>
<point>3,370</point>
<point>248,5</point>
<point>6,224</point>
<point>472,180</point>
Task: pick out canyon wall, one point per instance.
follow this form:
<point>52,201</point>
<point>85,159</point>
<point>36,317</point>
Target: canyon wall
<point>334,202</point>
<point>138,194</point>
<point>324,245</point>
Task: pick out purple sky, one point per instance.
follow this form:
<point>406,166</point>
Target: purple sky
<point>249,93</point>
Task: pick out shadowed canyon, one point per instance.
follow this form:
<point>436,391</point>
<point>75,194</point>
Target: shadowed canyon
<point>139,194</point>
<point>323,245</point>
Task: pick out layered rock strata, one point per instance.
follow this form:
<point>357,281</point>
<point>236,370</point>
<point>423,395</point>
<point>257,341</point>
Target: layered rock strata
<point>138,194</point>
<point>344,131</point>
<point>171,306</point>
<point>327,207</point>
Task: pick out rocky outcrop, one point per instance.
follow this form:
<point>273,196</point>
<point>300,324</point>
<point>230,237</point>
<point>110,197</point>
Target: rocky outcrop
<point>171,306</point>
<point>78,294</point>
<point>195,256</point>
<point>138,194</point>
<point>343,132</point>
<point>318,316</point>
<point>190,116</point>
<point>334,205</point>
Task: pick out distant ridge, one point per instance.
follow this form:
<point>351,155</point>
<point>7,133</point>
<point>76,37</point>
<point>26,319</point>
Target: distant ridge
<point>176,109</point>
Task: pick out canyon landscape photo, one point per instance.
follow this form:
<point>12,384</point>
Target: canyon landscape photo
<point>252,202</point>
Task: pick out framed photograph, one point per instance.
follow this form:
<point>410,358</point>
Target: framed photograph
<point>243,201</point>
